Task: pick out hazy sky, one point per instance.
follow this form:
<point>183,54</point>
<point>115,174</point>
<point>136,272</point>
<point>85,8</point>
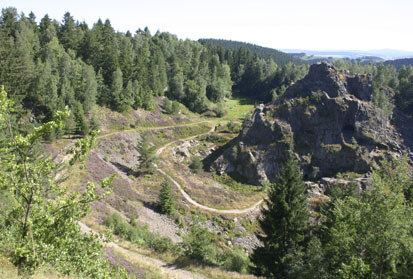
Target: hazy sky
<point>297,24</point>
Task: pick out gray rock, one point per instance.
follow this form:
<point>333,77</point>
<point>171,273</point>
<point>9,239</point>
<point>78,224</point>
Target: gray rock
<point>325,119</point>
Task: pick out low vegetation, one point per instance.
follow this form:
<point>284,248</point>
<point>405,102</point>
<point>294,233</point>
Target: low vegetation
<point>139,235</point>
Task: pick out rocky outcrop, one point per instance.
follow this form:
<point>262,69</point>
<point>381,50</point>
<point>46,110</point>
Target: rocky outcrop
<point>326,120</point>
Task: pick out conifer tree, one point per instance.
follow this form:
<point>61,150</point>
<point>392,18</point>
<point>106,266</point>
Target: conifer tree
<point>70,125</point>
<point>284,226</point>
<point>116,90</point>
<point>87,90</point>
<point>167,106</point>
<point>102,90</point>
<point>166,198</point>
<point>136,95</point>
<point>147,156</point>
<point>69,35</point>
<point>147,99</point>
<point>94,123</point>
<point>82,128</point>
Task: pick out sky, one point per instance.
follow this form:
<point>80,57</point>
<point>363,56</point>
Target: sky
<point>280,24</point>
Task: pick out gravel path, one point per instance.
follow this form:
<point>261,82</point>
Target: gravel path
<point>188,198</point>
<point>165,269</point>
<point>177,185</point>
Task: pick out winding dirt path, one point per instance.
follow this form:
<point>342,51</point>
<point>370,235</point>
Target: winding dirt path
<point>215,210</point>
<point>177,185</point>
<point>164,269</point>
<point>185,194</point>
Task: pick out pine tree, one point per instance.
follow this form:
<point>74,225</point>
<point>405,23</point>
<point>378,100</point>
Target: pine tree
<point>176,84</point>
<point>116,99</point>
<point>70,125</point>
<point>69,33</point>
<point>87,90</point>
<point>103,95</point>
<point>94,123</point>
<point>82,128</point>
<point>166,198</point>
<point>147,156</point>
<point>147,99</point>
<point>136,95</point>
<point>284,226</point>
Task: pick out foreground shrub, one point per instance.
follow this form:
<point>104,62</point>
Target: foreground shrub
<point>235,260</point>
<point>199,245</point>
<point>140,235</point>
<point>40,226</point>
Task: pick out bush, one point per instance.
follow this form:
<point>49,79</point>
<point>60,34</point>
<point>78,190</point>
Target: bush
<point>139,235</point>
<point>117,224</point>
<point>94,123</point>
<point>167,106</point>
<point>220,110</point>
<point>196,164</point>
<point>317,96</point>
<point>232,127</point>
<point>170,107</point>
<point>235,260</point>
<point>199,245</point>
<point>175,107</point>
<point>161,244</point>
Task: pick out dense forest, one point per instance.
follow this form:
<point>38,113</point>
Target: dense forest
<point>399,63</point>
<point>279,57</point>
<point>53,64</point>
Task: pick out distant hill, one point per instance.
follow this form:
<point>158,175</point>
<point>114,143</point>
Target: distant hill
<point>385,54</point>
<point>312,59</point>
<point>281,58</point>
<point>398,63</point>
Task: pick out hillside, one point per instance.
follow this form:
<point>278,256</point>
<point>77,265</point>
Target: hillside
<point>399,63</point>
<point>279,57</point>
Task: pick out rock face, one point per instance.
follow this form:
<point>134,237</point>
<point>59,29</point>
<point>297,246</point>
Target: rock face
<point>328,122</point>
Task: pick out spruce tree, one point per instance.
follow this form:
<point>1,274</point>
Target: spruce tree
<point>147,156</point>
<point>82,128</point>
<point>116,99</point>
<point>284,226</point>
<point>147,99</point>
<point>166,199</point>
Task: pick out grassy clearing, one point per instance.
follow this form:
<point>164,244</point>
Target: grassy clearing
<point>164,136</point>
<point>238,108</point>
<point>157,128</point>
<point>77,176</point>
<point>233,182</point>
<point>9,271</point>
